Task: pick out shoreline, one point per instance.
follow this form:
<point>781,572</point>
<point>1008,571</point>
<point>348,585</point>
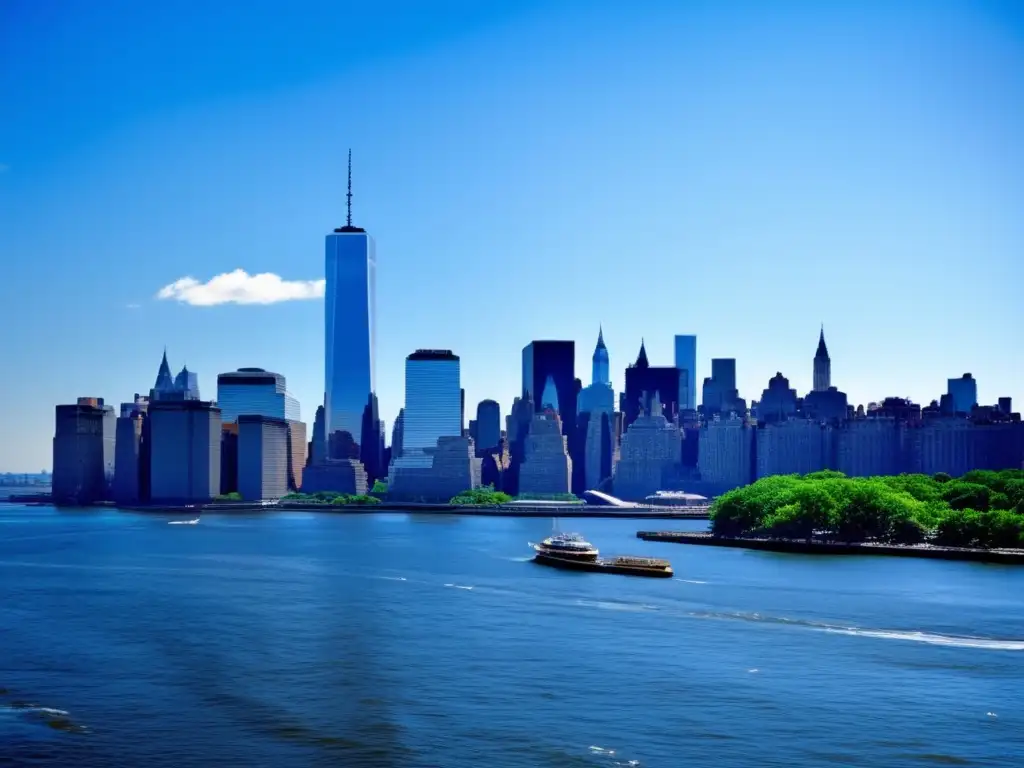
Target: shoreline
<point>512,510</point>
<point>790,546</point>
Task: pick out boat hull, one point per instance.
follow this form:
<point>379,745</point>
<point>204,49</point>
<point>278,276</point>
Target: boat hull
<point>601,566</point>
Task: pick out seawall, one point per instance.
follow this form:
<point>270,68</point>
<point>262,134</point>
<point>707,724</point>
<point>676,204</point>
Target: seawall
<point>790,546</point>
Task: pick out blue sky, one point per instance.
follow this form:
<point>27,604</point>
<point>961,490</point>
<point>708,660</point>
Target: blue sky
<point>740,170</point>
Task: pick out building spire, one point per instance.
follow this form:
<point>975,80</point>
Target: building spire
<point>348,220</point>
<point>641,360</point>
<point>349,227</point>
<point>822,350</point>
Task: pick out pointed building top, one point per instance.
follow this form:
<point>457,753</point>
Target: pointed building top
<point>822,349</point>
<point>600,337</point>
<point>348,197</point>
<point>641,360</point>
<point>164,380</point>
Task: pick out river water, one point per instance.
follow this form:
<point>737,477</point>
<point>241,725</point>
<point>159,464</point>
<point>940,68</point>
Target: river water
<point>306,639</point>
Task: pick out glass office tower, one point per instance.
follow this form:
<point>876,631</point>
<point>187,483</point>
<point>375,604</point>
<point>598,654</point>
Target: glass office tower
<point>350,417</point>
<point>686,360</point>
<point>433,407</point>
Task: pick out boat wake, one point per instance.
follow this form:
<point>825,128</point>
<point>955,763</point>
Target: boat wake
<point>612,757</point>
<point>612,605</point>
<point>459,586</point>
<point>918,636</point>
<point>184,522</point>
<point>689,581</point>
<point>57,719</point>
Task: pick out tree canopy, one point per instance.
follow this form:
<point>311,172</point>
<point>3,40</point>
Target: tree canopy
<point>485,495</point>
<point>981,509</point>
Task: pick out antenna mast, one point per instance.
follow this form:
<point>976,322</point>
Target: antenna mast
<point>349,195</point>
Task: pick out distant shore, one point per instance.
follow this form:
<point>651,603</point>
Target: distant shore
<point>798,547</point>
<point>510,510</point>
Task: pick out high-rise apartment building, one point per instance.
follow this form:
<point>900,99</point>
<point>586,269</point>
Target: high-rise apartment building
<point>83,451</point>
<point>686,362</point>
<point>350,334</point>
<point>185,445</point>
<point>263,463</point>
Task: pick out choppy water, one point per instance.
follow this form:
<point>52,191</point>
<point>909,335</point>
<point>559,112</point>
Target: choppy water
<point>391,640</point>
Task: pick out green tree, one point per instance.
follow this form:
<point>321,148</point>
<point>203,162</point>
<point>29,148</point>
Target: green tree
<point>480,497</point>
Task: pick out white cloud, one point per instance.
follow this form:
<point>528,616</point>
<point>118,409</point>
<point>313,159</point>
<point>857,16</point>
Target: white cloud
<point>239,287</point>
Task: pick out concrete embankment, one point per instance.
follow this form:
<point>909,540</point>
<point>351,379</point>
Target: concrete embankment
<point>789,546</point>
<point>514,510</point>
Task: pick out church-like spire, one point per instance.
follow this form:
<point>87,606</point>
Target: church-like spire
<point>641,359</point>
<point>600,337</point>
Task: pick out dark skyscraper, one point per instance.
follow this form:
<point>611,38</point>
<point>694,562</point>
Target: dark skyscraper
<point>554,360</point>
<point>350,313</point>
<point>488,426</point>
<point>643,380</point>
<point>557,360</point>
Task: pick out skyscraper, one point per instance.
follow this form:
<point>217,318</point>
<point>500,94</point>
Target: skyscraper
<point>263,457</point>
<point>256,392</point>
<point>822,365</point>
<point>433,404</point>
<point>963,392</point>
<point>488,425</point>
<point>83,451</point>
<point>557,360</point>
<point>185,440</point>
<point>350,333</point>
<point>686,362</point>
<point>436,461</point>
<point>595,422</point>
<point>184,386</point>
<point>600,373</point>
<point>642,381</point>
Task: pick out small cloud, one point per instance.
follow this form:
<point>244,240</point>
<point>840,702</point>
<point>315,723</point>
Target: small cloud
<point>239,287</point>
<point>133,306</point>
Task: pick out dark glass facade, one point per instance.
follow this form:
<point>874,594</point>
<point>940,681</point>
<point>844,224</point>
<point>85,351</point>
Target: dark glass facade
<point>556,359</point>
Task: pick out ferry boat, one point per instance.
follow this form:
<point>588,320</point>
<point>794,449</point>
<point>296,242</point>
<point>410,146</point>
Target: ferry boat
<point>570,546</point>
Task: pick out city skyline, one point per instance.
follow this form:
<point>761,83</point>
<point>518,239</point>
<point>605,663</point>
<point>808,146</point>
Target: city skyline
<point>742,199</point>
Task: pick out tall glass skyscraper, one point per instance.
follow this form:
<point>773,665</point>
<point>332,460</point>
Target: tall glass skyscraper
<point>433,405</point>
<point>350,333</point>
<point>686,360</point>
